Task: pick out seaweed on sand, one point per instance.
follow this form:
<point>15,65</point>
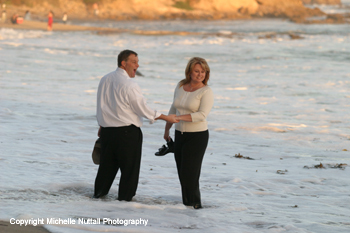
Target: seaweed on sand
<point>242,157</point>
<point>338,166</point>
<point>282,172</point>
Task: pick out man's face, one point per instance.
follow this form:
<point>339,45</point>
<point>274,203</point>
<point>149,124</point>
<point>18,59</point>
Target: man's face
<point>131,65</point>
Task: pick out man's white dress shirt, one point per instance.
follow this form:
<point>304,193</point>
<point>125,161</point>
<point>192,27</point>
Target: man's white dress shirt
<point>120,101</point>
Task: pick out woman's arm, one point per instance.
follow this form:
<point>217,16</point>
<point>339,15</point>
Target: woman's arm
<point>168,125</point>
<point>167,130</point>
<point>186,117</point>
<point>205,106</point>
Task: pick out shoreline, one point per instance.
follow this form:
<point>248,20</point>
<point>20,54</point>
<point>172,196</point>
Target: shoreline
<point>7,227</point>
<point>39,25</point>
<point>73,25</point>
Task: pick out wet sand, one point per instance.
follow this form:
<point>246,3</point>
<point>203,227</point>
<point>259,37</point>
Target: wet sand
<point>6,227</point>
<point>37,25</point>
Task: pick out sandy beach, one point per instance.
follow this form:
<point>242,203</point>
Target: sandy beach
<point>7,227</point>
<point>37,25</point>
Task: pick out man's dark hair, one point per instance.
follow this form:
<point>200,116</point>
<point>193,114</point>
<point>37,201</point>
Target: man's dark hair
<point>124,55</point>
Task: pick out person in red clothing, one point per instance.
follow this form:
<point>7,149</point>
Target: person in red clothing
<point>49,21</point>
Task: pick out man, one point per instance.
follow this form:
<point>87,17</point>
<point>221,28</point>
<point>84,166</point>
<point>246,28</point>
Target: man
<point>120,108</point>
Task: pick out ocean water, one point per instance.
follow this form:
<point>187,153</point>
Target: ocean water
<point>280,101</point>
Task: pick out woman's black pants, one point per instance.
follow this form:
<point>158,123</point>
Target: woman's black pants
<point>189,152</point>
<point>121,148</point>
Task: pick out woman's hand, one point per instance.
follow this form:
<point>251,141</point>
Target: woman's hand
<point>167,131</point>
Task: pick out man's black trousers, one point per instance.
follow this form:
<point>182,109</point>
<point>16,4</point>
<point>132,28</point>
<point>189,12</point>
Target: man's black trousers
<point>121,148</point>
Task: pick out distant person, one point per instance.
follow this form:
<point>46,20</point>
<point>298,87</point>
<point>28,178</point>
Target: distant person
<point>120,109</point>
<point>3,13</point>
<point>14,18</point>
<point>49,21</point>
<point>193,100</point>
<point>96,10</point>
<point>64,18</point>
<point>19,20</point>
<point>27,15</point>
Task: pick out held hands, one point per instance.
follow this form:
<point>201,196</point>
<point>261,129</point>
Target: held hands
<point>169,118</point>
<point>172,118</point>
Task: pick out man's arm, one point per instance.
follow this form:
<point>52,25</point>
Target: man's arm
<point>138,105</point>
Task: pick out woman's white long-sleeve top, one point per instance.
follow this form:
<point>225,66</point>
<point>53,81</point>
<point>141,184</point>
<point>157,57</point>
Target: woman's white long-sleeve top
<point>197,103</point>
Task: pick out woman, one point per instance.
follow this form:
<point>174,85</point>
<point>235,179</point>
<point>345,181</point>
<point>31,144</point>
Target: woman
<point>193,100</point>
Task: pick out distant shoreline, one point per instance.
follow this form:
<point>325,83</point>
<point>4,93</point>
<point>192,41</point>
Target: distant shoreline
<point>38,25</point>
<point>73,25</point>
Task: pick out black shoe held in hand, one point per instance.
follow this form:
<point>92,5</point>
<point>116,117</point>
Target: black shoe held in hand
<point>165,149</point>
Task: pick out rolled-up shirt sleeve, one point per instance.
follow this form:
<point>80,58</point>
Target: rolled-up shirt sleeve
<point>206,103</point>
<point>139,106</point>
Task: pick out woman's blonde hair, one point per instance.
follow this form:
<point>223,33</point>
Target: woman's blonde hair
<point>190,65</point>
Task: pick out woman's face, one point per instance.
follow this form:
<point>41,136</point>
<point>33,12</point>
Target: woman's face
<point>197,74</point>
